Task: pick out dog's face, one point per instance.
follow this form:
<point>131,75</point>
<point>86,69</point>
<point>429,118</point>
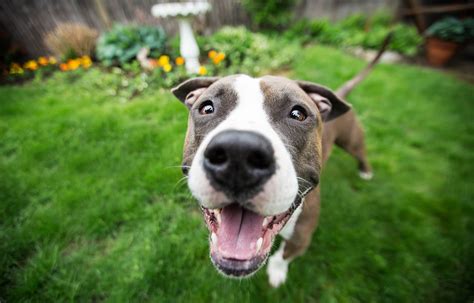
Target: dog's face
<point>252,151</point>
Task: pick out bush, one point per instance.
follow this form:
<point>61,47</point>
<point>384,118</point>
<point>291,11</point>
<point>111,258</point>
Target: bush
<point>305,30</point>
<point>358,30</point>
<point>452,29</point>
<point>270,14</point>
<point>405,40</point>
<point>122,43</point>
<point>71,40</point>
<point>248,52</point>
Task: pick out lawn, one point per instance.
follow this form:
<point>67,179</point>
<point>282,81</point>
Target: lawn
<point>92,207</point>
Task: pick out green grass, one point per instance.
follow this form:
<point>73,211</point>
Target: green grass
<point>91,208</point>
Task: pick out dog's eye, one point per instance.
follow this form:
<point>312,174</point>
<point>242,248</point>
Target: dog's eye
<point>298,113</point>
<point>206,108</point>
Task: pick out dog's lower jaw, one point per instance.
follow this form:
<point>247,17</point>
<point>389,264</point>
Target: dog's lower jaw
<point>238,269</point>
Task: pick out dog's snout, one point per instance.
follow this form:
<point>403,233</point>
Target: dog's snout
<point>239,161</point>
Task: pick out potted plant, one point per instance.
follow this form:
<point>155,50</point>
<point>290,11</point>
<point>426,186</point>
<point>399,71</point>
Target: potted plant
<point>444,37</point>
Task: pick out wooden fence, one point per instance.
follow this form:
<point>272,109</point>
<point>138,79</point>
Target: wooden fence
<point>28,21</point>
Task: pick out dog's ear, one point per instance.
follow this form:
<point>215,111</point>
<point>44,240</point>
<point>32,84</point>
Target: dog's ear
<point>190,90</point>
<point>330,106</point>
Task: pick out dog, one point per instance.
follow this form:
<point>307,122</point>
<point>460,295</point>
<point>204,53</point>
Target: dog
<point>253,155</point>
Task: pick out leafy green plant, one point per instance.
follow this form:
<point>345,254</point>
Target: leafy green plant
<point>248,52</point>
<point>452,29</point>
<point>270,14</point>
<point>405,39</point>
<point>305,29</point>
<point>358,30</point>
<point>122,43</point>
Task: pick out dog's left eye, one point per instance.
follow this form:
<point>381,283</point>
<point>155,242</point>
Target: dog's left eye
<point>298,113</point>
<point>206,108</point>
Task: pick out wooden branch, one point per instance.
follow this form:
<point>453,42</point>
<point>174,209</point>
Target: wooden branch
<point>438,9</point>
<point>419,18</point>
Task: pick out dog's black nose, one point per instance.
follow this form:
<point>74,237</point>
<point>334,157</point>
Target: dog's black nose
<point>239,162</point>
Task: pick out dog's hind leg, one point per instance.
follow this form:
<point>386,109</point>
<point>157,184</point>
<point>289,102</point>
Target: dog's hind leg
<point>296,240</point>
<point>352,141</point>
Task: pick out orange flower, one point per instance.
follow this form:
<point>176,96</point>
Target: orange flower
<point>167,68</point>
<point>179,61</point>
<point>202,70</point>
<point>73,64</point>
<point>86,61</point>
<point>212,54</point>
<point>52,60</point>
<point>64,67</point>
<point>154,63</point>
<point>43,61</point>
<point>163,60</point>
<point>218,58</point>
<point>31,65</point>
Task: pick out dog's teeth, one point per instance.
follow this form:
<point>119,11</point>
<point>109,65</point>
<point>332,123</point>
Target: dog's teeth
<point>259,244</point>
<point>218,216</point>
<point>265,222</point>
<point>214,238</point>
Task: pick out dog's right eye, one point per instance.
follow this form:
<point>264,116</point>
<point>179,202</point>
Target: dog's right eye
<point>206,108</point>
<point>298,113</point>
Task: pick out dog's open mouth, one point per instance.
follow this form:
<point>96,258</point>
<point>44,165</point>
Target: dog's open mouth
<point>241,239</point>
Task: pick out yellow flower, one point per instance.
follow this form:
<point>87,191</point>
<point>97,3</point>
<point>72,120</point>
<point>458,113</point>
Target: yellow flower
<point>167,68</point>
<point>86,61</point>
<point>212,54</point>
<point>31,65</point>
<point>218,58</point>
<point>202,70</point>
<point>15,68</point>
<point>179,61</point>
<point>163,60</point>
<point>52,60</point>
<point>43,61</point>
<point>73,64</point>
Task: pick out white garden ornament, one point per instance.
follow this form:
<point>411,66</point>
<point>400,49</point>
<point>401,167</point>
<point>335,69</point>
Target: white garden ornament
<point>184,11</point>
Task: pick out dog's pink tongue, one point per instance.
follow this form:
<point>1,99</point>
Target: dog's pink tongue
<point>238,232</point>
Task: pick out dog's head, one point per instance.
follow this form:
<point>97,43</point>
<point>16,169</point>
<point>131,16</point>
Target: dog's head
<point>252,151</point>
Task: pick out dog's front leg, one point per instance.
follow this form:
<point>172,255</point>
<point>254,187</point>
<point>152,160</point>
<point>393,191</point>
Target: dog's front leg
<point>296,240</point>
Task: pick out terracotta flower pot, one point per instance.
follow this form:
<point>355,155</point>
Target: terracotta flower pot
<point>440,51</point>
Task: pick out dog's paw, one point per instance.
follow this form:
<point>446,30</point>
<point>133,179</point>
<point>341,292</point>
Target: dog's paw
<point>277,269</point>
<point>366,175</point>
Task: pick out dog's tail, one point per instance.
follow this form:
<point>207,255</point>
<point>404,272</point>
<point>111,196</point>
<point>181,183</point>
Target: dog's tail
<point>347,87</point>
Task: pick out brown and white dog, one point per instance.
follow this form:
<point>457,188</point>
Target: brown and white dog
<point>253,154</point>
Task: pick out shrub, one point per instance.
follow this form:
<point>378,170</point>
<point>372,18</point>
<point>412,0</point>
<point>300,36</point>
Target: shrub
<point>405,39</point>
<point>452,29</point>
<point>358,30</point>
<point>122,43</point>
<point>71,40</point>
<point>248,52</point>
<point>305,30</point>
<point>270,14</point>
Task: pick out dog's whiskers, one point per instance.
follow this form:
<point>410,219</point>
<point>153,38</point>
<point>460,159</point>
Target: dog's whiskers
<point>180,181</point>
<point>178,166</point>
<point>304,180</point>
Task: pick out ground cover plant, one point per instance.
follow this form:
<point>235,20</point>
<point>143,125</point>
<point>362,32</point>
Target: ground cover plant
<point>93,208</point>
